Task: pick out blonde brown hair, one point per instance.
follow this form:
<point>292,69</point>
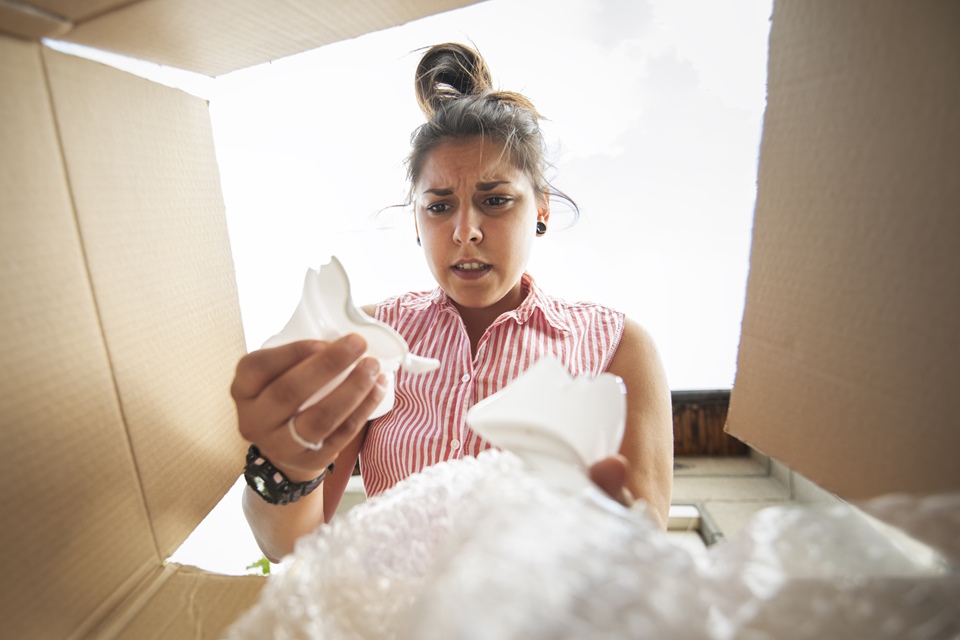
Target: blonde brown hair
<point>455,91</point>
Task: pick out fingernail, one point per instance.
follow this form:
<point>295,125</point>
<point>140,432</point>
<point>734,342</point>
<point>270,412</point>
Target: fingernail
<point>355,344</point>
<point>382,381</point>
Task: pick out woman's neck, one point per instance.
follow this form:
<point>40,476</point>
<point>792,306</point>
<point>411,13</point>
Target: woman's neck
<point>477,321</point>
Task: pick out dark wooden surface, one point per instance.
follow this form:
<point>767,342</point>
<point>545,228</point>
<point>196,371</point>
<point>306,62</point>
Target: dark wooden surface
<point>698,419</point>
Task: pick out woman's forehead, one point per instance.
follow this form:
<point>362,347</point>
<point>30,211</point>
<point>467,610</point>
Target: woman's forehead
<point>475,159</point>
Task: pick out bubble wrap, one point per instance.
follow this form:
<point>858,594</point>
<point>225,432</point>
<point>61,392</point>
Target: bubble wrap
<point>481,548</point>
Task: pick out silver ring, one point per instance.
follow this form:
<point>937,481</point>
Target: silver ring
<point>306,444</point>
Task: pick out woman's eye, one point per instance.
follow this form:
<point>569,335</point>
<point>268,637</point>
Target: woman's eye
<point>438,207</point>
<point>497,201</point>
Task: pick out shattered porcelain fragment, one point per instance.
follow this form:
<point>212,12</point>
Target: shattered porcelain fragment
<point>558,425</point>
<point>327,312</point>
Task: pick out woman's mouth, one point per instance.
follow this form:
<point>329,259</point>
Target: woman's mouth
<point>471,270</point>
<point>471,266</point>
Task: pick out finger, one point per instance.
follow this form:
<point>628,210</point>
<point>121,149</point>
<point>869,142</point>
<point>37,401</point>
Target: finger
<point>284,395</point>
<point>298,462</point>
<point>319,422</point>
<point>610,474</point>
<point>258,368</point>
<point>348,429</point>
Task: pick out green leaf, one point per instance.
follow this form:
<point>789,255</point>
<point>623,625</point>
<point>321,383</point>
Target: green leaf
<point>260,567</point>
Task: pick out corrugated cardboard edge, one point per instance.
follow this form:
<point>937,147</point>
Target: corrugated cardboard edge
<point>849,359</point>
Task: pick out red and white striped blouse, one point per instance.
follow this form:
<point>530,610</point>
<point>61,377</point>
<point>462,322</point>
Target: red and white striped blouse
<point>427,424</point>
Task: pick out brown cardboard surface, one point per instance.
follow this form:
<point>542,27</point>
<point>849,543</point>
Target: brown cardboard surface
<point>849,357</point>
<point>218,36</point>
<point>147,192</point>
<point>29,23</point>
<point>75,531</point>
<point>50,18</point>
<point>183,602</point>
<point>79,10</point>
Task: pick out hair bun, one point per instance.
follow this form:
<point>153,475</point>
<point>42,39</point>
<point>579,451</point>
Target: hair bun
<point>447,72</point>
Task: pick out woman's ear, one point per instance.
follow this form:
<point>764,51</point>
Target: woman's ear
<point>543,210</point>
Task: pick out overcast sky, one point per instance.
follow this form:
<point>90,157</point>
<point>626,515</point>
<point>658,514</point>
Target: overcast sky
<point>655,115</point>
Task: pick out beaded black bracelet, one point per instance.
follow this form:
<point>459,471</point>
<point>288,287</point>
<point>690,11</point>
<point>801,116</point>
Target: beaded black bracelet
<point>273,485</point>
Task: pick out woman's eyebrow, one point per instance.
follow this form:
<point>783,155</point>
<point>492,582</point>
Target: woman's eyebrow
<point>437,191</point>
<point>488,186</point>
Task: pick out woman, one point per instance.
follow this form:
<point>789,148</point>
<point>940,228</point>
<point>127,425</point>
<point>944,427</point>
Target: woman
<point>480,198</point>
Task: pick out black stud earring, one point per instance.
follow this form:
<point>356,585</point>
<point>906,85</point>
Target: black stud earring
<point>541,227</point>
<point>418,242</point>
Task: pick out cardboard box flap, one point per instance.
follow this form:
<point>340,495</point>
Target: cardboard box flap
<point>76,533</point>
<point>182,602</point>
<point>146,188</point>
<point>849,356</point>
<point>218,36</point>
<point>211,37</point>
<point>31,23</point>
<point>75,10</point>
<point>49,18</point>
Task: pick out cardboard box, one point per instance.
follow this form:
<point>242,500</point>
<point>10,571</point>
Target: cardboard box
<point>849,351</point>
<point>121,326</point>
<point>118,302</point>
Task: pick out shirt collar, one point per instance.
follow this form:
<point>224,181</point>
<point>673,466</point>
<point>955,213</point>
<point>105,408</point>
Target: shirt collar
<point>535,300</point>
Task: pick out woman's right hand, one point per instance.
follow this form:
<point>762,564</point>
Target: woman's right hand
<point>271,384</point>
<point>610,474</point>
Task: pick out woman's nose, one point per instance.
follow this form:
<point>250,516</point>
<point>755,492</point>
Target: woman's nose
<point>467,226</point>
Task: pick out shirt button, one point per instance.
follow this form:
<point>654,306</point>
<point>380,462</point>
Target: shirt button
<point>454,444</point>
<point>465,378</point>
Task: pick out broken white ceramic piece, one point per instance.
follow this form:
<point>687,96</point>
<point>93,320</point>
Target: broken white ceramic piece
<point>557,424</point>
<point>327,312</point>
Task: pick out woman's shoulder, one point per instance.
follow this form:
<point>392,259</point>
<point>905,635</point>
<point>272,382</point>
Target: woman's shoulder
<point>563,306</point>
<point>582,309</point>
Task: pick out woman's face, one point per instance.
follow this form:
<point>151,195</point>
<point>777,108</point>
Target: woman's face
<point>476,216</point>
